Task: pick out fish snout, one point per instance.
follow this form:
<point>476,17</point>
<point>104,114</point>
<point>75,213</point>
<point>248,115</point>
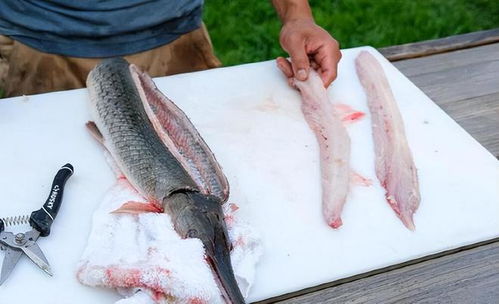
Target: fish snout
<point>200,216</point>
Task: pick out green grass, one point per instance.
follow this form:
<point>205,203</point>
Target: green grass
<point>248,31</point>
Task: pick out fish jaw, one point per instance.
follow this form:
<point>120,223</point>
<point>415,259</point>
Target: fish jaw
<point>200,216</point>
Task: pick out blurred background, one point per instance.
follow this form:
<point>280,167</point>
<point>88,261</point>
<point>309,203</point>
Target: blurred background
<point>247,31</point>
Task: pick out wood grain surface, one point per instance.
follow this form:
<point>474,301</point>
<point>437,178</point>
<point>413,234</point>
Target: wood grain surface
<point>465,84</point>
<point>430,47</point>
<point>470,276</point>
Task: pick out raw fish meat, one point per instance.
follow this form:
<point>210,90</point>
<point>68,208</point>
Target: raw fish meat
<point>395,167</point>
<point>326,121</point>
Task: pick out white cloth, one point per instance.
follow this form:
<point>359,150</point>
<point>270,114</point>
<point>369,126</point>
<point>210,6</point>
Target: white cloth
<point>144,259</point>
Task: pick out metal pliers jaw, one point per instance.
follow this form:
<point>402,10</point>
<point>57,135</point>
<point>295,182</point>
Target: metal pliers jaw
<point>40,220</point>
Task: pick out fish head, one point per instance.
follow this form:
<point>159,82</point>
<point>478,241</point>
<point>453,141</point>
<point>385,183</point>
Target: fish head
<point>200,216</point>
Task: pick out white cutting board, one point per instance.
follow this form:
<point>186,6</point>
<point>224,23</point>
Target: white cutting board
<point>252,121</point>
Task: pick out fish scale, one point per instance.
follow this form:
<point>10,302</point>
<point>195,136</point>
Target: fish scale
<point>151,167</point>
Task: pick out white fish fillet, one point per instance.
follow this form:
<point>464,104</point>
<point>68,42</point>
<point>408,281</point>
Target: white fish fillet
<point>395,167</point>
<point>334,145</point>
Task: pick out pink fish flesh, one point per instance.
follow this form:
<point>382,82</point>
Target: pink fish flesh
<point>334,145</point>
<point>395,167</point>
<point>181,137</point>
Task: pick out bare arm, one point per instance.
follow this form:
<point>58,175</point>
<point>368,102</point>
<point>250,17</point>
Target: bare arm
<point>303,39</point>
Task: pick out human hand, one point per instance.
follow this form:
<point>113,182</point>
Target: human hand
<point>308,45</point>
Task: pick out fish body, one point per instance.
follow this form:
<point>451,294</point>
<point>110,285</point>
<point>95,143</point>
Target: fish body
<point>394,164</point>
<point>126,107</point>
<point>334,145</point>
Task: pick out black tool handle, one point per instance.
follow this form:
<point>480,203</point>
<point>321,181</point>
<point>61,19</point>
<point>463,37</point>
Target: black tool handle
<point>42,219</point>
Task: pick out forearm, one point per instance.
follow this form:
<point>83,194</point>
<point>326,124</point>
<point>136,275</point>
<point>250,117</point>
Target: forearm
<point>289,10</point>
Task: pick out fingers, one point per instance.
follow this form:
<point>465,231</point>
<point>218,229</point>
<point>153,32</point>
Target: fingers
<point>299,60</point>
<point>285,66</point>
<point>327,57</point>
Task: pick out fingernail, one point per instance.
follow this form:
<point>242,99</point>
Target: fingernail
<point>301,74</point>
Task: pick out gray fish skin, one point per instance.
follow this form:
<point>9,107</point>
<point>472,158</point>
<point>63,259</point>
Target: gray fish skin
<point>154,171</point>
<point>129,135</point>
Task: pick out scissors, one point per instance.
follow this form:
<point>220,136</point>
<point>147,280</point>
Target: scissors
<point>15,245</point>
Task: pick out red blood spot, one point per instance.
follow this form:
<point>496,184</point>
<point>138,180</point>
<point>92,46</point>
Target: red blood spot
<point>196,300</point>
<point>336,223</point>
<point>234,207</point>
<point>347,113</point>
<point>119,277</point>
<point>353,116</point>
<point>132,277</point>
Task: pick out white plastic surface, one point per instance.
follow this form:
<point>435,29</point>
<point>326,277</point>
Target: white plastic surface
<point>252,121</point>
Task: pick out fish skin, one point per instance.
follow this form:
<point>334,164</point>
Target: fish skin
<point>128,134</point>
<point>394,164</point>
<point>153,169</point>
<point>334,146</point>
<point>181,138</point>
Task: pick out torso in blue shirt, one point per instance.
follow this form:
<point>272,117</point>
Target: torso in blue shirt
<point>98,28</point>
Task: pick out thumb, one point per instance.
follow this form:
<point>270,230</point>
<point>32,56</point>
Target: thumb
<point>299,61</point>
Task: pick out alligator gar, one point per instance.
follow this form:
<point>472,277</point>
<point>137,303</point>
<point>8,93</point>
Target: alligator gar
<point>395,167</point>
<point>162,155</point>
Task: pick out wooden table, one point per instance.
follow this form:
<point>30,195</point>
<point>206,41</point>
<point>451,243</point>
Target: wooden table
<point>461,74</point>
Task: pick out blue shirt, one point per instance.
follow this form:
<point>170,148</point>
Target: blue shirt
<point>98,28</point>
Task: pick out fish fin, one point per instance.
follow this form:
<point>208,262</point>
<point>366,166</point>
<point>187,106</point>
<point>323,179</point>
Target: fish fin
<point>360,180</point>
<point>94,130</point>
<point>97,135</point>
<point>133,207</point>
<point>347,114</point>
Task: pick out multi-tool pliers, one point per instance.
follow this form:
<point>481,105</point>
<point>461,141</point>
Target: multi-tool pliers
<point>40,221</point>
